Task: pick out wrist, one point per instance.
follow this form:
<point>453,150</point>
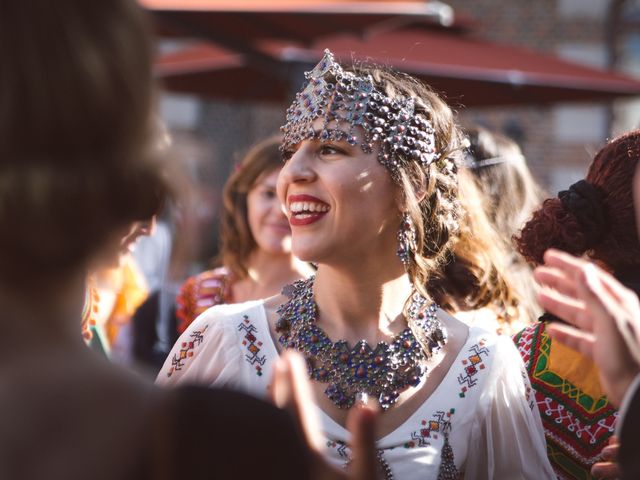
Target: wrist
<point>620,385</point>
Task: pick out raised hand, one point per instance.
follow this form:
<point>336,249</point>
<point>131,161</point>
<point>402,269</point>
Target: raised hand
<point>603,317</point>
<point>291,390</point>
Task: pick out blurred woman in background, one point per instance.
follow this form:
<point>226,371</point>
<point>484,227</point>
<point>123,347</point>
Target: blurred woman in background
<point>255,247</point>
<point>511,194</point>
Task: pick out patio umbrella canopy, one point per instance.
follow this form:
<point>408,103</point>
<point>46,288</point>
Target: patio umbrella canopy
<point>238,24</point>
<point>466,70</point>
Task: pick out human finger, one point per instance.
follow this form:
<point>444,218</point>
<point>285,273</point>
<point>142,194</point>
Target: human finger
<point>606,470</point>
<point>617,314</point>
<point>564,307</point>
<point>362,422</point>
<point>610,452</point>
<point>555,278</point>
<point>563,261</point>
<point>280,389</point>
<point>292,391</point>
<point>610,284</point>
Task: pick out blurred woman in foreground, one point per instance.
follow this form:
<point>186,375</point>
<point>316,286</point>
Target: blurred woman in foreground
<point>75,171</point>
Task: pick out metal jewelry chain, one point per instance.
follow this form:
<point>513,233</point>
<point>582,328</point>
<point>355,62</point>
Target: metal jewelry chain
<point>382,372</point>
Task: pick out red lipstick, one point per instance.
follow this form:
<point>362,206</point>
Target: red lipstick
<point>305,217</point>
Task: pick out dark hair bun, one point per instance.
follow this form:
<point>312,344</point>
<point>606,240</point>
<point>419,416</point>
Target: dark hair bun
<point>584,201</point>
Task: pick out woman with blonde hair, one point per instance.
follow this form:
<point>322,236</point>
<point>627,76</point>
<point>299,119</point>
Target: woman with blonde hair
<point>370,190</point>
<point>508,195</point>
<point>255,258</point>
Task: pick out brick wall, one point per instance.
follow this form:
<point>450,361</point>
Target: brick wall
<point>540,25</point>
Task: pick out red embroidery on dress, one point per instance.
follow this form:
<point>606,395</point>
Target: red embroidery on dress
<point>576,426</point>
<point>524,343</point>
<point>186,350</point>
<point>439,423</point>
<point>472,365</point>
<point>253,345</point>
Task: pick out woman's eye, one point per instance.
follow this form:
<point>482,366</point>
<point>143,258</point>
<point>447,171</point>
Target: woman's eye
<point>269,194</point>
<point>330,150</point>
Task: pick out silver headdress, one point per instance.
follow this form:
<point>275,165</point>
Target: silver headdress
<point>341,97</point>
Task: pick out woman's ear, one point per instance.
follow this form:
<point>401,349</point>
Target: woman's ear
<point>421,189</point>
<point>418,191</point>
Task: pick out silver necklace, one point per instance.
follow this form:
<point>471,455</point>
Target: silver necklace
<point>382,372</point>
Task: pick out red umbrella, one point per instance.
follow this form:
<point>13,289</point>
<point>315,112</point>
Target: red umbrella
<point>291,20</point>
<point>237,24</point>
<point>467,70</point>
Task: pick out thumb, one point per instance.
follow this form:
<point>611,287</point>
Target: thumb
<point>362,422</point>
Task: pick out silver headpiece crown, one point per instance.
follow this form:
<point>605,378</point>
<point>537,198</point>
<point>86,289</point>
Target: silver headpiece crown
<point>341,97</point>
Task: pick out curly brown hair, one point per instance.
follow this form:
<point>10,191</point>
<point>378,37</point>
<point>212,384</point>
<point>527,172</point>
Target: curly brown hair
<point>453,263</point>
<point>236,240</point>
<point>431,194</point>
<point>475,274</point>
<point>616,245</point>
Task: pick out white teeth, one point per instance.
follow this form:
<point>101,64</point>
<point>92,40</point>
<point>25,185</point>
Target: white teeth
<point>298,207</point>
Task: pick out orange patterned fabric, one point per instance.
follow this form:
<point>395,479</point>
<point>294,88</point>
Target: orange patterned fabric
<point>89,312</point>
<point>112,297</point>
<point>203,291</point>
<point>131,291</point>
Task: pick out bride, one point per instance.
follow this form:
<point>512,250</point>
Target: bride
<point>369,187</point>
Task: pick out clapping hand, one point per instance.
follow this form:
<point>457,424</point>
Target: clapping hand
<point>603,317</point>
<point>291,390</point>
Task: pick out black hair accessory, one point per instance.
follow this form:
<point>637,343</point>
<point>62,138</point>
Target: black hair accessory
<point>584,201</point>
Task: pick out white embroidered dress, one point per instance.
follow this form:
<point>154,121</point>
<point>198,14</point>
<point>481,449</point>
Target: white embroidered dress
<point>483,407</point>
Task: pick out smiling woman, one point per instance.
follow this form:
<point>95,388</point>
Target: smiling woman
<point>255,258</point>
<point>370,190</point>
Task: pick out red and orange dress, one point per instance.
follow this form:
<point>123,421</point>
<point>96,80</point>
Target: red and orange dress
<point>578,419</point>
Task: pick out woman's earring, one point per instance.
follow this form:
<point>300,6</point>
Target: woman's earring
<point>406,239</point>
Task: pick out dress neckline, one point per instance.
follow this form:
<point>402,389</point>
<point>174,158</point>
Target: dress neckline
<point>473,333</point>
<point>418,412</point>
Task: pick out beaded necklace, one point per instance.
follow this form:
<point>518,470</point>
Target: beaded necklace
<point>382,372</point>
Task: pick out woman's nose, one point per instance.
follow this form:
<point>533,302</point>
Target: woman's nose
<point>299,168</point>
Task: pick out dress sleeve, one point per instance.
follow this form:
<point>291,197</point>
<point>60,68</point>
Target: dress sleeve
<point>206,353</point>
<point>507,439</point>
